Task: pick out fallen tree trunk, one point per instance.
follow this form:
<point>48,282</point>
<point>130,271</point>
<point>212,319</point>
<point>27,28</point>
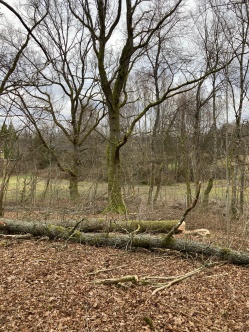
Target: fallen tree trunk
<point>124,240</point>
<point>103,225</point>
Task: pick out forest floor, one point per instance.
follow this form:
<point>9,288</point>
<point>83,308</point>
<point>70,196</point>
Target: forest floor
<point>50,286</point>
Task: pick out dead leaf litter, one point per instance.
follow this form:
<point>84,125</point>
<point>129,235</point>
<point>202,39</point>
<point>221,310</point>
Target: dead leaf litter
<point>47,286</point>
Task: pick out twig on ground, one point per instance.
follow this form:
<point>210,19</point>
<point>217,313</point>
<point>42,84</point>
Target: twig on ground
<point>178,279</point>
<point>154,281</point>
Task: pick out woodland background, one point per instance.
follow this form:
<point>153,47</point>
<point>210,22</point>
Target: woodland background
<point>117,110</point>
<point>151,103</point>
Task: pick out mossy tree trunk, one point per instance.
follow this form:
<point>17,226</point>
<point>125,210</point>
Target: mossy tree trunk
<point>126,241</point>
<point>115,198</point>
<point>1,202</point>
<point>73,187</point>
<point>74,170</point>
<point>207,192</point>
<point>114,91</point>
<point>103,225</point>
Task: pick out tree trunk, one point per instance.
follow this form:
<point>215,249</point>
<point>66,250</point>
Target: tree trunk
<point>158,183</point>
<point>233,204</point>
<point>73,187</point>
<point>103,225</point>
<point>74,171</point>
<point>3,186</point>
<point>188,193</point>
<point>1,202</point>
<point>154,153</point>
<point>242,183</point>
<point>115,199</point>
<point>207,192</point>
<point>6,173</point>
<point>126,240</point>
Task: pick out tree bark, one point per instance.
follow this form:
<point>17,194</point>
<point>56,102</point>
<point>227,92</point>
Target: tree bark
<point>73,187</point>
<point>126,240</point>
<point>207,192</point>
<point>115,199</point>
<point>96,225</point>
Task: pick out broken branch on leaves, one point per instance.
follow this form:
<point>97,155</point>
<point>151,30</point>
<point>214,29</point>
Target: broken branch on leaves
<point>159,283</point>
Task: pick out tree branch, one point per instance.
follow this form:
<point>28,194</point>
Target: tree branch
<point>174,228</point>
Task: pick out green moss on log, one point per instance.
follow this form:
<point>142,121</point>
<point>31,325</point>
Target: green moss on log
<point>225,252</point>
<point>167,242</point>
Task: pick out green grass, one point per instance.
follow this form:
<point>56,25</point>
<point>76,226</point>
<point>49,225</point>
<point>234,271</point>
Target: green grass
<point>23,188</point>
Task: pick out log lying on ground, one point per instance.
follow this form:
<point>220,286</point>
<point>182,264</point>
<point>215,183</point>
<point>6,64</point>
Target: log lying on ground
<point>103,225</point>
<point>125,240</point>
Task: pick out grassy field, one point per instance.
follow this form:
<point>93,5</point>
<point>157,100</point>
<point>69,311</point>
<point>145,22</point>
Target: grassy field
<point>25,186</point>
<point>27,189</point>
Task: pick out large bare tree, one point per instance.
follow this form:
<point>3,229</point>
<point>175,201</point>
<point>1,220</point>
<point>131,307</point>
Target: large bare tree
<point>139,22</point>
<point>60,88</point>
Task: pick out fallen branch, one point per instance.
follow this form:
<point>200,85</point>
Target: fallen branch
<point>113,281</point>
<point>102,225</point>
<point>120,240</point>
<point>178,279</point>
<point>153,281</point>
<point>176,227</point>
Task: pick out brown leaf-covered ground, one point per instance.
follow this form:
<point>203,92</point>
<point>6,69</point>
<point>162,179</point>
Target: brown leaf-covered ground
<point>49,286</point>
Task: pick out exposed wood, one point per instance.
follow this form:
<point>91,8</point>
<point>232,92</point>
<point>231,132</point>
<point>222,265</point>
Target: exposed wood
<point>102,225</point>
<point>121,240</point>
<point>201,232</point>
<point>16,236</point>
<point>113,281</point>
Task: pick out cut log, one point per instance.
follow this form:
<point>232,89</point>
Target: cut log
<point>125,240</point>
<point>103,225</point>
